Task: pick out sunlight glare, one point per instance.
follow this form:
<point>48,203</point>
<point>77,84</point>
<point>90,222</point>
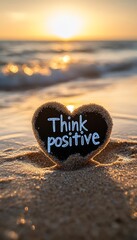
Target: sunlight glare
<point>66,59</point>
<point>27,70</point>
<point>12,68</point>
<point>70,108</point>
<point>64,25</point>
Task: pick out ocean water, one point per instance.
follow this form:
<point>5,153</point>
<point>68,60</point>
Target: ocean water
<point>27,64</point>
<point>73,73</point>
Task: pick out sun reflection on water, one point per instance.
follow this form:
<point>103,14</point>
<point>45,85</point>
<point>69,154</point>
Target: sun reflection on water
<point>27,70</point>
<point>12,68</point>
<point>60,62</point>
<point>55,63</point>
<point>66,58</point>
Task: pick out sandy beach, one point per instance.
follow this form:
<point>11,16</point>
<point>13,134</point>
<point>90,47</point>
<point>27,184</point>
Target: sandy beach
<point>40,201</point>
<point>95,202</point>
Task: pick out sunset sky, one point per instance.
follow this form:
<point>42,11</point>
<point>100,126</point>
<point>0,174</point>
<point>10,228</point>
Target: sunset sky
<point>68,19</point>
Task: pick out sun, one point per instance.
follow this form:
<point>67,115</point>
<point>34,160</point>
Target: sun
<point>64,25</point>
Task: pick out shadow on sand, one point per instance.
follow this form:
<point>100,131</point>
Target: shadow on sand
<point>64,205</point>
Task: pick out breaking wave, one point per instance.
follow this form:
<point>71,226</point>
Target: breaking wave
<point>25,76</point>
<point>29,64</point>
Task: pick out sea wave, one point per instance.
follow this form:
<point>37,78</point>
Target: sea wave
<point>15,77</point>
<point>29,64</point>
<point>34,47</point>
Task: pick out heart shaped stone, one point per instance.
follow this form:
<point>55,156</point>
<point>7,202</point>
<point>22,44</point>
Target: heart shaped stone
<point>71,139</point>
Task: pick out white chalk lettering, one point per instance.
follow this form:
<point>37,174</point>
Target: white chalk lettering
<point>68,126</point>
<point>74,126</point>
<point>53,123</point>
<point>50,142</point>
<point>87,138</point>
<point>64,139</point>
<point>82,123</point>
<point>75,133</point>
<point>58,142</point>
<point>76,137</point>
<point>94,137</point>
<point>63,124</point>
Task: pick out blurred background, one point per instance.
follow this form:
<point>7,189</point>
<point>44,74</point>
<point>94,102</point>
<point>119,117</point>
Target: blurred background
<point>74,52</point>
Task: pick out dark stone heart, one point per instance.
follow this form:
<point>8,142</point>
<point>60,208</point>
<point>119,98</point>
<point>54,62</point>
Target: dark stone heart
<point>64,136</point>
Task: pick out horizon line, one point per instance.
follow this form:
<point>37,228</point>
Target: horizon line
<point>69,40</point>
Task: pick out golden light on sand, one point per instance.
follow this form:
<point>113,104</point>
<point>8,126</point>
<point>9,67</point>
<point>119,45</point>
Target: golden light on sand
<point>70,108</point>
<point>65,25</point>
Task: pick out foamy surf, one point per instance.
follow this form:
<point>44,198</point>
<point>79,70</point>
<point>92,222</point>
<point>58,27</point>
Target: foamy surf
<point>28,64</point>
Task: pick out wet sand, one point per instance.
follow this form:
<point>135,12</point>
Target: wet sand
<point>98,201</point>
